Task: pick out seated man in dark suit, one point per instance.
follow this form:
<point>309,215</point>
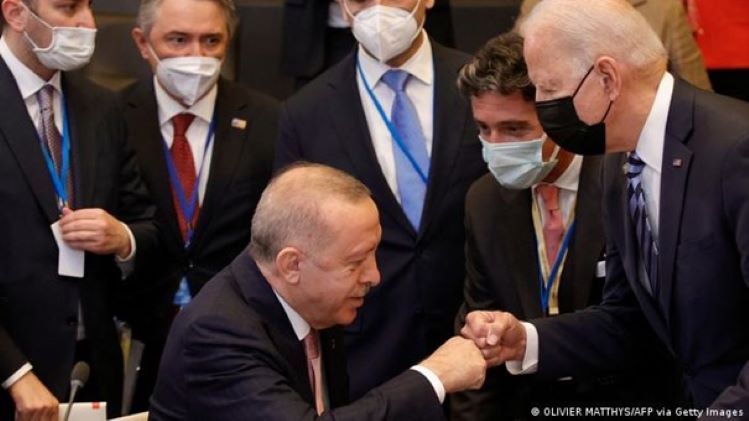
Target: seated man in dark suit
<point>262,341</point>
<point>534,236</point>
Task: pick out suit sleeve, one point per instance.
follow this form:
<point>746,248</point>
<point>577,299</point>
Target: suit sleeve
<point>234,374</point>
<point>11,358</point>
<point>134,206</point>
<point>736,202</point>
<point>288,147</point>
<point>599,339</point>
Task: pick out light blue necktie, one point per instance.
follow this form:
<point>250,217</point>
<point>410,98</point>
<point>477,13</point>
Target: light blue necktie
<point>639,214</point>
<point>411,186</point>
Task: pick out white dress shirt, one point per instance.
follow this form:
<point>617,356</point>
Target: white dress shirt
<point>197,133</point>
<point>302,328</point>
<point>650,149</point>
<point>420,90</point>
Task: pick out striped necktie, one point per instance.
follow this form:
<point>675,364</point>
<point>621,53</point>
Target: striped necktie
<point>639,214</point>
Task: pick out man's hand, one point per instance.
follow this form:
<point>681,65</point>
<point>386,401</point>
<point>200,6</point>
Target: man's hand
<point>458,364</point>
<point>33,401</point>
<point>96,231</point>
<point>499,336</point>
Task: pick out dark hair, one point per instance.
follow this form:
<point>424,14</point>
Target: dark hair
<point>498,66</point>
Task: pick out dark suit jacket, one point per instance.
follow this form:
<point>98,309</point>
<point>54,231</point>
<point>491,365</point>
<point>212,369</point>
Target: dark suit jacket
<point>700,316</point>
<point>240,168</point>
<point>38,308</point>
<point>233,355</point>
<point>502,274</point>
<point>412,311</point>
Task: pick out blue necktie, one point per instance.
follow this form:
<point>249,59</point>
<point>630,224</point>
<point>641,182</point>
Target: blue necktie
<point>639,214</point>
<point>411,186</point>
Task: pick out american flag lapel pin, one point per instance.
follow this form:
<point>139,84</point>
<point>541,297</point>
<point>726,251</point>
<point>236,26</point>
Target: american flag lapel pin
<point>239,123</point>
<point>677,162</point>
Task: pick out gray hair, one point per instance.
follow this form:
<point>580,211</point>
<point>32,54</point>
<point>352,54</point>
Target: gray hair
<point>289,211</point>
<point>148,9</point>
<point>588,29</point>
<point>497,67</point>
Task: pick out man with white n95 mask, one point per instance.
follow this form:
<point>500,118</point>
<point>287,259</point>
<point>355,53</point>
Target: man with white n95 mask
<point>205,145</point>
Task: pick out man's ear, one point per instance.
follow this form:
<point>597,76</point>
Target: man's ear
<point>288,262</point>
<point>610,69</point>
<point>139,37</point>
<point>13,13</point>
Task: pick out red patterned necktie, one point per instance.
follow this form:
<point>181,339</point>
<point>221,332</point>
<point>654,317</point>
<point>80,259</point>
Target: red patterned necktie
<point>51,136</point>
<point>553,224</point>
<point>314,365</point>
<point>185,166</point>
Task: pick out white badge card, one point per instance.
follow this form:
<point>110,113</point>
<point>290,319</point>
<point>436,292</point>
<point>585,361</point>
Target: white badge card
<point>71,261</point>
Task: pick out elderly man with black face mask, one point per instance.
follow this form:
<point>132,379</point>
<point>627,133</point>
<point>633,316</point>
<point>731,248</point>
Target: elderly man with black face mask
<point>676,210</point>
<point>390,114</point>
<point>205,145</point>
<point>73,207</point>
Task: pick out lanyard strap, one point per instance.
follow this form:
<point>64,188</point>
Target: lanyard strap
<point>59,180</point>
<point>546,286</point>
<point>187,206</point>
<point>391,128</point>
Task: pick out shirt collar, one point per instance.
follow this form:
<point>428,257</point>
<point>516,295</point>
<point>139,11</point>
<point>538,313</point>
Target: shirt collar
<point>570,178</point>
<point>169,107</point>
<point>300,326</point>
<point>29,83</point>
<point>420,65</point>
<point>651,141</point>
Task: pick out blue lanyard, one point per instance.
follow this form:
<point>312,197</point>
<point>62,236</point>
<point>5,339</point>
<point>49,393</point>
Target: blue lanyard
<point>548,286</point>
<point>187,206</point>
<point>59,180</point>
<point>393,131</point>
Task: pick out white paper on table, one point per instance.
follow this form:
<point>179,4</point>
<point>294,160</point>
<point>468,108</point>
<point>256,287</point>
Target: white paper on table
<point>85,411</point>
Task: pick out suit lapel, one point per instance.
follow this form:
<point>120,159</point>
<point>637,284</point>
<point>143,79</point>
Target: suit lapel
<point>517,242</point>
<point>146,138</point>
<point>351,124</point>
<point>587,243</point>
<point>260,297</point>
<point>677,159</point>
<point>227,152</point>
<point>19,132</point>
<point>449,123</point>
<point>83,144</point>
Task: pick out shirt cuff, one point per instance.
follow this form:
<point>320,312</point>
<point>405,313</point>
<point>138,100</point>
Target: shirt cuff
<point>127,265</point>
<point>529,365</point>
<point>437,385</point>
<point>10,381</point>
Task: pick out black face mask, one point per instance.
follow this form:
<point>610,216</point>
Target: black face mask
<point>562,124</point>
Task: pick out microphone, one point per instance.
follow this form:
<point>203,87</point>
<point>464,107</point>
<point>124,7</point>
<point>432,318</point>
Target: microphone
<point>78,379</point>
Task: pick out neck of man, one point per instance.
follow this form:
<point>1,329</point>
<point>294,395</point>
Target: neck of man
<point>564,160</point>
<point>403,57</point>
<point>21,48</point>
<point>638,104</point>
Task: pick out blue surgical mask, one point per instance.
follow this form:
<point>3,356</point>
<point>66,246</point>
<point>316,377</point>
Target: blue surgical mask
<point>519,164</point>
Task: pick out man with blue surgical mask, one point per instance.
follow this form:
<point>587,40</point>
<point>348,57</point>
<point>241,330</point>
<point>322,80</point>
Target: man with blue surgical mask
<point>389,113</point>
<point>205,145</point>
<point>534,234</point>
<point>73,209</point>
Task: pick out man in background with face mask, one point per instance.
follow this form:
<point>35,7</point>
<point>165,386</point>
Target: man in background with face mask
<point>205,146</point>
<point>534,234</point>
<point>68,180</point>
<point>676,210</point>
<point>390,114</point>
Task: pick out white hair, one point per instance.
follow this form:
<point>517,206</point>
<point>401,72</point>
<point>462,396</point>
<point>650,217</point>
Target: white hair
<point>588,29</point>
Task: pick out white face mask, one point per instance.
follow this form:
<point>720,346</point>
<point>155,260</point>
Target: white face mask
<point>70,49</point>
<point>518,165</point>
<point>384,31</point>
<point>187,78</point>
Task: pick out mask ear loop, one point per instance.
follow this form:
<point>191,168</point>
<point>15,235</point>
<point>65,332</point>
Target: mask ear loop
<point>580,85</point>
<point>50,27</point>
